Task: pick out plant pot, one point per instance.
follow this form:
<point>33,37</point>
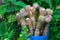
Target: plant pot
<point>45,37</point>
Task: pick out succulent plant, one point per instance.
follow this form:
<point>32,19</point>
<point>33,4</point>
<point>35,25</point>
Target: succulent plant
<point>42,11</point>
<point>35,5</point>
<point>36,20</point>
<point>41,18</point>
<point>48,18</point>
<point>49,11</point>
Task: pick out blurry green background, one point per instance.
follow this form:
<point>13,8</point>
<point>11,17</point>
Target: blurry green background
<point>9,28</point>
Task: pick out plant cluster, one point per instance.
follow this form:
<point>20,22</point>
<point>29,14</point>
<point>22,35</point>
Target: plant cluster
<point>9,28</point>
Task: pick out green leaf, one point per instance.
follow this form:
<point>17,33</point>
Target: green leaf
<point>49,2</point>
<point>10,9</point>
<point>39,1</point>
<point>19,3</point>
<point>21,37</point>
<point>3,9</point>
<point>58,7</point>
<point>3,28</point>
<point>55,29</point>
<point>0,32</point>
<point>9,1</point>
<point>57,35</point>
<point>16,8</point>
<point>6,39</point>
<point>10,34</point>
<point>11,18</point>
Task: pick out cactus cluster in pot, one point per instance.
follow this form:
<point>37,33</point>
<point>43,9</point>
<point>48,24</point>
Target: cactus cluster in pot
<point>35,18</point>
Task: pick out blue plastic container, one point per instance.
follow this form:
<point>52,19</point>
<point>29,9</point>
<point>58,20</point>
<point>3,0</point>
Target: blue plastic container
<point>45,37</point>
